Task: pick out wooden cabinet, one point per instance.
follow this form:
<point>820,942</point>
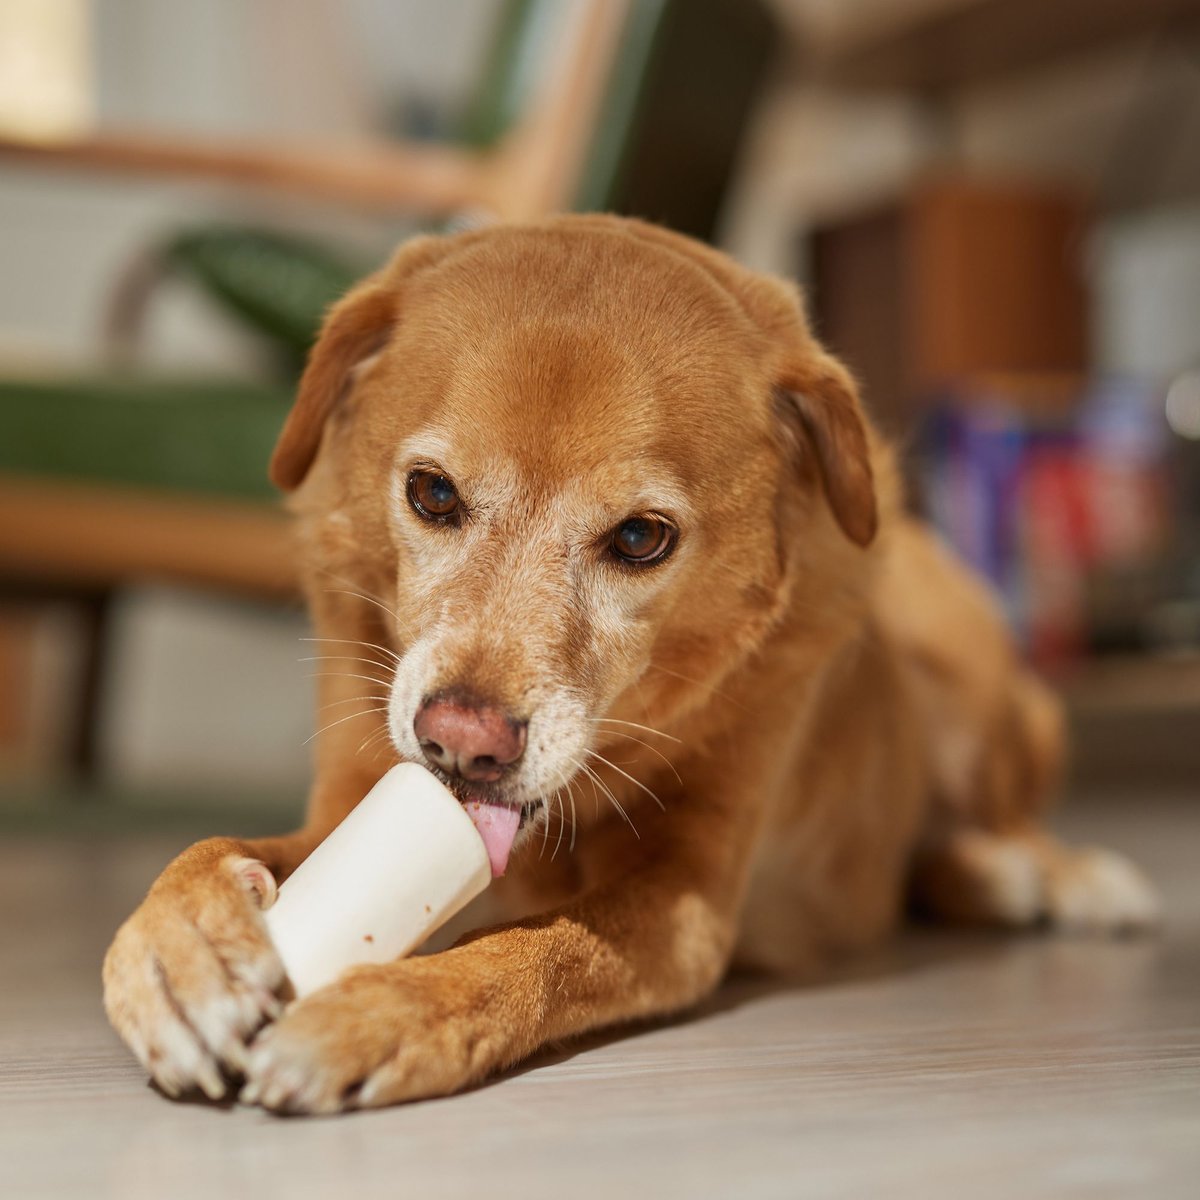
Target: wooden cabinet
<point>957,283</point>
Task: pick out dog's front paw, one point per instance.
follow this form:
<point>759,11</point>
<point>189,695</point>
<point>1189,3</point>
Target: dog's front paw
<point>379,1035</point>
<point>192,975</point>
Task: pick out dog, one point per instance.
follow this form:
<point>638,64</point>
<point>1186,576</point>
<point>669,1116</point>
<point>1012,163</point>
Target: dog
<point>592,526</point>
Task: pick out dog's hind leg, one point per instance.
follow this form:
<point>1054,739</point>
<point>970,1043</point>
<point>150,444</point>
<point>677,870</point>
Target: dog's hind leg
<point>1021,879</point>
<point>987,858</point>
<point>995,746</point>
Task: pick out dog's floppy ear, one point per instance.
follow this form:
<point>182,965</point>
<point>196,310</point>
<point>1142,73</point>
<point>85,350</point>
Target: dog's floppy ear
<point>817,399</point>
<point>355,329</point>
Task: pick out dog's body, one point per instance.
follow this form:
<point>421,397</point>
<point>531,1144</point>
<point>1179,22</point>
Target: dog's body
<point>591,493</point>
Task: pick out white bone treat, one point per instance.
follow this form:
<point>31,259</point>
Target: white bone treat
<point>402,863</point>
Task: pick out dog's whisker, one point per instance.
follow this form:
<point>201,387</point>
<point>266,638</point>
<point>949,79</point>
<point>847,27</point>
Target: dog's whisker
<point>549,809</point>
<point>329,573</point>
<point>326,728</point>
<point>354,642</point>
<point>638,682</point>
<point>545,833</point>
<point>391,612</point>
<point>574,819</point>
<point>653,666</point>
<point>553,807</point>
<point>383,731</point>
<point>670,764</point>
<point>636,783</point>
<point>357,589</point>
<point>595,798</point>
<point>381,735</point>
<point>374,662</point>
<point>349,675</point>
<point>609,793</point>
<point>349,700</point>
<point>635,725</point>
<point>711,689</point>
<point>364,743</point>
<point>562,824</point>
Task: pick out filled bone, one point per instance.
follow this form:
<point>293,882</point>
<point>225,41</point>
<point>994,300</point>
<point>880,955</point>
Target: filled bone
<point>402,863</point>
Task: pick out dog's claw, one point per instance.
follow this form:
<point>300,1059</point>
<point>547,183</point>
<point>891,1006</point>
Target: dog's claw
<point>233,1054</point>
<point>209,1080</point>
<point>276,1095</point>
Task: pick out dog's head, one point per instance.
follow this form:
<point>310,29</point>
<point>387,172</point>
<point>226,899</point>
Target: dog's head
<point>584,460</point>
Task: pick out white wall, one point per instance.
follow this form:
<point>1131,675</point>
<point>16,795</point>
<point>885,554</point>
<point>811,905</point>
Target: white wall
<point>1146,284</point>
<point>317,68</point>
<point>205,694</point>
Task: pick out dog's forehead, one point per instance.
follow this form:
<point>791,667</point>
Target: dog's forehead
<point>582,302</point>
<point>628,372</point>
<point>536,377</point>
<point>562,403</point>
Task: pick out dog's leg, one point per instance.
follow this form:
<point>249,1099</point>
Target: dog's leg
<point>1022,878</point>
<point>192,975</point>
<point>987,860</point>
<point>654,941</point>
<point>995,740</point>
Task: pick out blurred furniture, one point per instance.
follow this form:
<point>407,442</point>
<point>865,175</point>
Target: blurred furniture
<point>529,170</point>
<point>633,110</point>
<point>958,282</point>
<point>120,474</point>
<point>934,45</point>
<point>632,90</point>
<point>1069,515</point>
<point>1133,722</point>
<point>109,477</point>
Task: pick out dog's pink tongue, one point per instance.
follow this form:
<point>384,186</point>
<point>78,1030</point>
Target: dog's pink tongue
<point>497,825</point>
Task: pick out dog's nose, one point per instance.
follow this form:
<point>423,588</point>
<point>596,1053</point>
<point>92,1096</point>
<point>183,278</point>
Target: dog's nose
<point>477,742</point>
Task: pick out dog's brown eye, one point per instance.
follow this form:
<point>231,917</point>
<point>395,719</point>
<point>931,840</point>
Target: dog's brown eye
<point>433,496</point>
<point>642,540</point>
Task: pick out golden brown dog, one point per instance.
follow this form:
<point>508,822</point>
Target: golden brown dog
<point>592,525</point>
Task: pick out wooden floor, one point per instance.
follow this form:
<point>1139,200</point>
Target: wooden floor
<point>947,1066</point>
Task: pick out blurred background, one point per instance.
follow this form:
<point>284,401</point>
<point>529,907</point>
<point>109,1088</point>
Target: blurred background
<point>993,204</point>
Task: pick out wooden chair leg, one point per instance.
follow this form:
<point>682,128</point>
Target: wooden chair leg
<point>95,609</point>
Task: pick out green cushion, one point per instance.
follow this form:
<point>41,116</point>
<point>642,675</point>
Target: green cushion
<point>206,436</point>
<point>278,284</point>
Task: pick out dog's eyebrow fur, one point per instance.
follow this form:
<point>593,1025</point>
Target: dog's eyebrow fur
<point>657,491</point>
<point>660,496</point>
<point>429,445</point>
